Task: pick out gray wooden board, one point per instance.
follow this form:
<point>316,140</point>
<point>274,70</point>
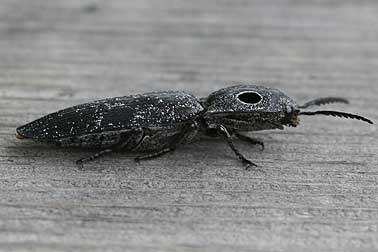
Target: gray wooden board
<point>319,191</point>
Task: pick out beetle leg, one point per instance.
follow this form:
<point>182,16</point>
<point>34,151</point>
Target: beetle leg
<point>166,141</point>
<point>250,140</point>
<point>125,138</point>
<point>93,157</point>
<point>153,154</point>
<point>228,138</point>
<point>129,139</point>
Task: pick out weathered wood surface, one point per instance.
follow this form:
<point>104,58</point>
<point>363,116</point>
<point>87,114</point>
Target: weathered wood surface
<point>320,189</point>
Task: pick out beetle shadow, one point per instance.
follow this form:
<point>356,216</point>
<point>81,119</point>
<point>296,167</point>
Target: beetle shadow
<point>28,152</point>
<point>215,148</point>
<point>207,151</point>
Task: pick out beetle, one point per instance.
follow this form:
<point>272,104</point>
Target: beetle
<point>158,122</point>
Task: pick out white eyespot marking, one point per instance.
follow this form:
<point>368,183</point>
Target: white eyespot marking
<point>249,97</point>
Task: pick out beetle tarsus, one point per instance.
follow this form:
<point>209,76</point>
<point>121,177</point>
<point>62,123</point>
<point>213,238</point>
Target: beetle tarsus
<point>153,155</point>
<point>250,140</point>
<point>93,157</point>
<point>247,163</point>
<point>80,163</point>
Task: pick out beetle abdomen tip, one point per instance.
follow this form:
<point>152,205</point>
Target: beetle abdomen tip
<point>21,133</point>
<point>19,136</point>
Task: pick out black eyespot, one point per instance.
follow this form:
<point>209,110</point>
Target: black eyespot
<point>250,97</point>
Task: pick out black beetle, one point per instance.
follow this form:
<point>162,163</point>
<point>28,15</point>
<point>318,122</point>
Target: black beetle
<point>156,123</point>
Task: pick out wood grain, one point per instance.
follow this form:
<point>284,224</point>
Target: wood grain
<point>319,191</point>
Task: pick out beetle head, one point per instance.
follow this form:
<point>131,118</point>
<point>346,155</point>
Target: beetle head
<point>250,108</point>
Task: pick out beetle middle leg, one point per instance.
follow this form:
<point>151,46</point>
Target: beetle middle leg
<point>158,143</point>
<point>153,154</point>
<point>250,140</point>
<point>81,161</point>
<point>230,143</point>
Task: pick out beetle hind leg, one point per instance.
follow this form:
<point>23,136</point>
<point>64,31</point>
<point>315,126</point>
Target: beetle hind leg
<point>115,141</point>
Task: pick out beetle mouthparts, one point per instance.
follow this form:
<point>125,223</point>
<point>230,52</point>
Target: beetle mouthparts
<point>291,119</point>
<point>18,136</point>
<point>295,120</point>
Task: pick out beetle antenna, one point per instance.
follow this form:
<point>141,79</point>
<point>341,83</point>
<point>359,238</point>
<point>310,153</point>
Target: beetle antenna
<point>323,101</point>
<point>336,114</point>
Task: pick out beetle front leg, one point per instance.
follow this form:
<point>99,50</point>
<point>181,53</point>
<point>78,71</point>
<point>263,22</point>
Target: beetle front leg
<point>250,140</point>
<point>230,143</point>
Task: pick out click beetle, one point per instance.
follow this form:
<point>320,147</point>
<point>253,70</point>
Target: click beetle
<point>157,123</point>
